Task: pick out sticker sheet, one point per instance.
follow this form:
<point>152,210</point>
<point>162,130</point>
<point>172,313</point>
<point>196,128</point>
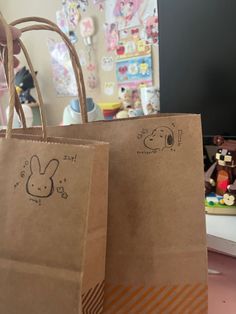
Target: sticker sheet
<point>68,18</point>
<point>130,47</point>
<point>152,30</point>
<point>109,88</point>
<point>125,13</point>
<point>99,4</point>
<point>83,5</point>
<point>129,13</point>
<point>71,10</point>
<point>107,63</point>
<point>62,21</point>
<point>134,72</point>
<point>63,75</point>
<point>111,36</point>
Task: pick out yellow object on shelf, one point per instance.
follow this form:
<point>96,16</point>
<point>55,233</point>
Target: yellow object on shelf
<point>109,105</point>
<point>109,109</point>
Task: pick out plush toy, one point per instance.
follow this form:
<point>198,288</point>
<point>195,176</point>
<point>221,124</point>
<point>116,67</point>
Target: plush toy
<point>24,83</point>
<point>125,95</point>
<point>130,103</point>
<point>220,178</point>
<point>123,114</point>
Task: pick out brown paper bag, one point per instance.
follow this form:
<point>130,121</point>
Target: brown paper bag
<point>96,236</point>
<point>156,253</point>
<point>53,221</point>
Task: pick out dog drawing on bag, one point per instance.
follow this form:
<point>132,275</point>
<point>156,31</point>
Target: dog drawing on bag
<point>40,183</point>
<point>159,139</point>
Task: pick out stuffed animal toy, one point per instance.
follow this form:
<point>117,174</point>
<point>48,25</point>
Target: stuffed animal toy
<point>220,178</point>
<point>130,103</point>
<point>125,95</point>
<point>24,83</point>
<point>123,114</point>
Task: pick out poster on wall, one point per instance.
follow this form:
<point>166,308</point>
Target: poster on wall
<point>109,88</point>
<point>129,48</point>
<point>134,72</point>
<point>70,7</point>
<point>62,21</point>
<point>107,63</point>
<point>111,36</point>
<point>62,71</point>
<point>129,13</point>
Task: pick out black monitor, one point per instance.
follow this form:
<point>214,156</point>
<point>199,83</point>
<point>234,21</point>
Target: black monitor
<point>198,62</point>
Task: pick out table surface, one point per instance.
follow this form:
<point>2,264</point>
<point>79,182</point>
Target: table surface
<point>221,233</point>
<point>222,288</point>
<point>222,226</point>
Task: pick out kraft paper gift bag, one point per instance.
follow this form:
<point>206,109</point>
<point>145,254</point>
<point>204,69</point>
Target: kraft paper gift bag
<point>156,252</point>
<point>53,207</point>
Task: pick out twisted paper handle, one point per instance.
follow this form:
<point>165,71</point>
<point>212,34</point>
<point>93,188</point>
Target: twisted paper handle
<point>45,24</point>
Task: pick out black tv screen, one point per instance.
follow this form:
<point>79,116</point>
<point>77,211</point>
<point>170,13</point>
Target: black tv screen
<point>198,61</point>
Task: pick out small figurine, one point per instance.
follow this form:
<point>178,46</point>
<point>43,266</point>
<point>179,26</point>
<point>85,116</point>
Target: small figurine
<point>123,114</point>
<point>24,83</point>
<point>220,178</point>
<point>207,160</point>
<point>125,95</point>
<point>130,103</point>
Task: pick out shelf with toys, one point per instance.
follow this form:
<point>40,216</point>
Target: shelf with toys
<point>23,83</point>
<point>132,103</point>
<point>220,200</point>
<point>220,179</point>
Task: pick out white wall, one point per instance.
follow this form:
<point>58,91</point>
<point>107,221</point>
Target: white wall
<point>37,47</point>
<point>36,42</point>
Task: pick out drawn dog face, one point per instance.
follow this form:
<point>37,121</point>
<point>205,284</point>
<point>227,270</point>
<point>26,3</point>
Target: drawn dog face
<point>159,139</point>
<point>40,183</point>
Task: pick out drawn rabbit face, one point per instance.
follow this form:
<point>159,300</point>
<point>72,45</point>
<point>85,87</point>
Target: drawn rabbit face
<point>40,183</point>
<point>159,139</point>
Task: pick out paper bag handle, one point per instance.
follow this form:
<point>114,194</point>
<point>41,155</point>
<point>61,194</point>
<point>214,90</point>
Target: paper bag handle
<point>18,106</point>
<point>10,74</point>
<point>48,25</point>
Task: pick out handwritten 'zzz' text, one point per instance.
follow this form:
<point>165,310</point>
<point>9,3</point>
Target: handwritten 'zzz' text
<point>71,158</point>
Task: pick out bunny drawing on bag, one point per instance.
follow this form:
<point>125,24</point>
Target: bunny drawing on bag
<point>40,183</point>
